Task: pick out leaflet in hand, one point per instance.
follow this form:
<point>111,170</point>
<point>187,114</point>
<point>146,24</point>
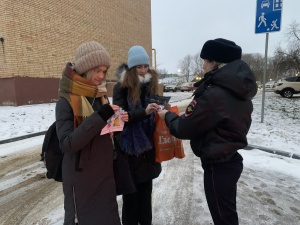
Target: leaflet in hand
<point>114,123</point>
<point>160,100</point>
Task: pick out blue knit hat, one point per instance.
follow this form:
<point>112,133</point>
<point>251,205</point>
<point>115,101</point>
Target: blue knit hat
<point>137,55</point>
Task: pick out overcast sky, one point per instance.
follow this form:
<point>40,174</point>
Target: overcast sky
<point>181,27</point>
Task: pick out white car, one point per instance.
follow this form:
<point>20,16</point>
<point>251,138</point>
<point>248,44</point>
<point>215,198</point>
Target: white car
<point>286,87</point>
<point>270,84</point>
<point>172,87</point>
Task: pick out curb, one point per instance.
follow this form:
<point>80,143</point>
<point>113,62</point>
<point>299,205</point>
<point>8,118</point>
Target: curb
<point>22,137</point>
<point>273,151</point>
<point>249,147</point>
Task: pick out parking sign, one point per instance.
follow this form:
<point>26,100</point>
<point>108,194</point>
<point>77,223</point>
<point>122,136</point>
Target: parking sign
<point>268,16</point>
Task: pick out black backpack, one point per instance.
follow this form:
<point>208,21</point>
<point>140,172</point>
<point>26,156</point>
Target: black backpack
<point>52,154</point>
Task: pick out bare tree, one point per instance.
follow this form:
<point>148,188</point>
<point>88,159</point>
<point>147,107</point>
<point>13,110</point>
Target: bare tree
<point>256,64</point>
<point>162,73</point>
<point>289,58</point>
<point>279,66</point>
<point>293,32</point>
<point>197,65</point>
<point>185,66</point>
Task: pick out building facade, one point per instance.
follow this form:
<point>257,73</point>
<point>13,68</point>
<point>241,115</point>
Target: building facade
<point>38,38</point>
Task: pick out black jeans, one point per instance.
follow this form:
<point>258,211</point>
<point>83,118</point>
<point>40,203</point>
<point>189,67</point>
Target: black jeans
<point>220,184</point>
<point>137,206</point>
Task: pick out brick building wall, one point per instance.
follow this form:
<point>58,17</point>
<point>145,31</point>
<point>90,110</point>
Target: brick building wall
<point>41,36</point>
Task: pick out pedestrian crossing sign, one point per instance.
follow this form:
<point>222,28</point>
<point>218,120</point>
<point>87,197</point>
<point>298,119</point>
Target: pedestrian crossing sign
<point>268,16</point>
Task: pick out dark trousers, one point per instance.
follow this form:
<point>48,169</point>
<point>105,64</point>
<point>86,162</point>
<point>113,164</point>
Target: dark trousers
<point>220,184</point>
<point>137,207</point>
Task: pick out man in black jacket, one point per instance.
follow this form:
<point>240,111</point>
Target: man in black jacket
<point>217,122</point>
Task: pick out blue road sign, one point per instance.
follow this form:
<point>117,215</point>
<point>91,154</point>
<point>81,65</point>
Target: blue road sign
<point>268,16</point>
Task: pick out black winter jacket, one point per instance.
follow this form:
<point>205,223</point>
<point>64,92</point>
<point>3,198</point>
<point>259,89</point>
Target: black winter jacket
<point>143,167</point>
<point>219,117</point>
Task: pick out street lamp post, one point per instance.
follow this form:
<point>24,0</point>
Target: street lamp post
<point>153,49</point>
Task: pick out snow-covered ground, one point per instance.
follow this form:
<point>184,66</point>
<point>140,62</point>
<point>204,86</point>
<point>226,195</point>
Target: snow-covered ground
<point>280,131</point>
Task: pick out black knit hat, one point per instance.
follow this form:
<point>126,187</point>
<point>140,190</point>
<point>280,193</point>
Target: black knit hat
<point>221,50</point>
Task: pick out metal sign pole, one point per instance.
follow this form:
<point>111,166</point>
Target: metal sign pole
<point>268,19</point>
<point>264,78</point>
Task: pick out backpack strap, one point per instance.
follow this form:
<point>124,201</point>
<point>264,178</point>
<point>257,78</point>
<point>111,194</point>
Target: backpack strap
<point>51,130</point>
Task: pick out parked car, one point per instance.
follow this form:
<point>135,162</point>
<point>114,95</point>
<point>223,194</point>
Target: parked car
<point>188,86</point>
<point>270,84</point>
<point>164,87</point>
<point>259,85</point>
<point>172,87</point>
<point>286,87</point>
<point>192,88</point>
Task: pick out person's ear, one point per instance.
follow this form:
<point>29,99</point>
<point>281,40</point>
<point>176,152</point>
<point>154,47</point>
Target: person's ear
<point>214,64</point>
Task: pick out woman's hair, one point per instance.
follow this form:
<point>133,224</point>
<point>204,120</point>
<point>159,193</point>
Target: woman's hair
<point>87,75</point>
<point>132,82</point>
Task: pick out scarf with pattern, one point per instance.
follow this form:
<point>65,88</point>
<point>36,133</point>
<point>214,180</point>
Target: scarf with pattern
<point>75,89</point>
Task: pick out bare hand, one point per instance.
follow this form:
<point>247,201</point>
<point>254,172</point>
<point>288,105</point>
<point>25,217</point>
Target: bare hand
<point>115,107</point>
<point>111,135</point>
<point>162,113</point>
<point>152,107</point>
<point>167,106</point>
<point>125,116</point>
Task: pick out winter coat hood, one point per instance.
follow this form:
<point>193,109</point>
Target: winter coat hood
<point>236,77</point>
<point>120,73</point>
<point>219,117</point>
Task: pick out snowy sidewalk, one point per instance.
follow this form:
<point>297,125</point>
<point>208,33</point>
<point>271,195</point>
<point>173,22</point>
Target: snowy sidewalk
<point>268,190</point>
